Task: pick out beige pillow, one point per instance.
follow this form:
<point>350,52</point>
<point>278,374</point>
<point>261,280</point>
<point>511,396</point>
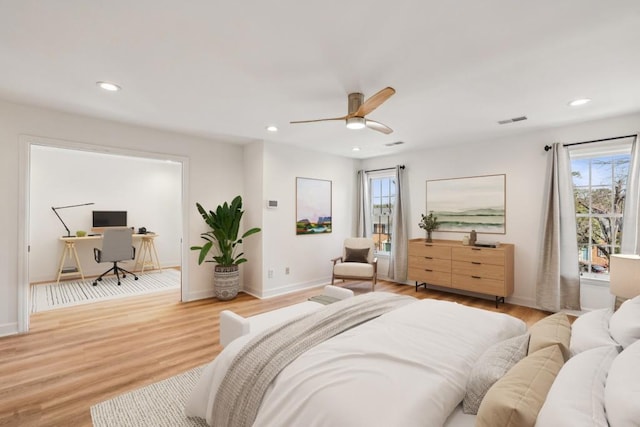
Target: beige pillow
<point>516,398</point>
<point>554,329</point>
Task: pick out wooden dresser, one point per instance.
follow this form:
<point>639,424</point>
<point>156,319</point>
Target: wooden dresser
<point>450,264</point>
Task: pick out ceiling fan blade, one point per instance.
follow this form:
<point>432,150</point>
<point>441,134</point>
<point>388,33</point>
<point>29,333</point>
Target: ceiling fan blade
<point>319,120</point>
<point>371,124</point>
<point>375,101</point>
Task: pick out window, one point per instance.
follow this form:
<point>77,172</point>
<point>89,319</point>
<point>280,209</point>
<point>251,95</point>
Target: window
<point>383,196</point>
<point>599,185</point>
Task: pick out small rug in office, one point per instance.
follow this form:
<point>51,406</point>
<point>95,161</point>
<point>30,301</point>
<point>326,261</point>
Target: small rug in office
<point>49,296</point>
<point>156,405</point>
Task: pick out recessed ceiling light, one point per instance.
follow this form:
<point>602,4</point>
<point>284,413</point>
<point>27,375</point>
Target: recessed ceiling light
<point>355,149</point>
<point>578,102</point>
<point>111,87</point>
<point>272,128</point>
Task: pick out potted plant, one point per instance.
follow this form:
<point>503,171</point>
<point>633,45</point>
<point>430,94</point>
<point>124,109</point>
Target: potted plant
<point>429,223</point>
<point>224,226</point>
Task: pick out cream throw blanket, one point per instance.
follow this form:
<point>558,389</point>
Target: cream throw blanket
<point>261,359</point>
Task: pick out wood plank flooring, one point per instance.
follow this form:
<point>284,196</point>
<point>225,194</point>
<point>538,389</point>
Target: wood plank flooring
<point>76,357</point>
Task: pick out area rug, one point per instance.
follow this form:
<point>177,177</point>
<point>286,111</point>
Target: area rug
<point>157,405</point>
<point>49,296</point>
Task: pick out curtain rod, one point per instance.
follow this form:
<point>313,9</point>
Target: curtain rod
<point>548,147</point>
<point>384,169</point>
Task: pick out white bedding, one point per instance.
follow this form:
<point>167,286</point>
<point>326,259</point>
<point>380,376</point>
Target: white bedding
<point>408,367</point>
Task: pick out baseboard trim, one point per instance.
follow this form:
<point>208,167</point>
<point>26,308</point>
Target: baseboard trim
<point>197,295</point>
<point>287,289</point>
<point>8,329</point>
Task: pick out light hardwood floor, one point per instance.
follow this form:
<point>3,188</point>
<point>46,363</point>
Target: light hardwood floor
<point>76,357</point>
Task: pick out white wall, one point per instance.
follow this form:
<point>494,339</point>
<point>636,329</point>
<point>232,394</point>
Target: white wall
<point>307,256</point>
<point>148,189</point>
<point>254,206</point>
<point>214,175</point>
<point>524,162</point>
<point>217,170</point>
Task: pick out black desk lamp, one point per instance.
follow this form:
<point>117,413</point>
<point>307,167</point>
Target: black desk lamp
<point>64,207</point>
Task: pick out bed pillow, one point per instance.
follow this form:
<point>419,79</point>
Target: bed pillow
<point>554,329</point>
<point>576,397</point>
<point>622,390</point>
<point>356,255</point>
<point>490,367</point>
<point>516,398</point>
<point>624,325</point>
<point>591,330</point>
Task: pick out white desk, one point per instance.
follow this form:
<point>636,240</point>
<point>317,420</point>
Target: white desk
<point>144,255</point>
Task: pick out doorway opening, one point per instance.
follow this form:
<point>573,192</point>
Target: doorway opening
<point>78,179</point>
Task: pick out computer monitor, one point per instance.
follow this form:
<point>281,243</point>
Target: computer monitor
<point>109,219</point>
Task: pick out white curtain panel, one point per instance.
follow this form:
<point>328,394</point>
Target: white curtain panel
<point>363,218</point>
<point>558,285</point>
<point>631,220</point>
<point>398,259</point>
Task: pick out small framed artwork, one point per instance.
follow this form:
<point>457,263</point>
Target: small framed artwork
<point>313,206</point>
<point>472,203</point>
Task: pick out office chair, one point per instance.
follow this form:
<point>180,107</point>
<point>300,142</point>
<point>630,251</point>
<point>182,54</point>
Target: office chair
<point>117,245</point>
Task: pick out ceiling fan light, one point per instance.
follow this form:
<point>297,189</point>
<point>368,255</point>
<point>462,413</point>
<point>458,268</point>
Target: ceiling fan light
<point>355,123</point>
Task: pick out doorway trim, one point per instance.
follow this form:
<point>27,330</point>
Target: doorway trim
<point>24,185</point>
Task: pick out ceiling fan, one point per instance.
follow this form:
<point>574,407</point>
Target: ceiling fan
<point>358,108</point>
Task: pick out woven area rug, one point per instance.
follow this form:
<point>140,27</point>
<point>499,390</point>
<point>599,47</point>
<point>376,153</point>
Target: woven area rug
<point>49,296</point>
<point>157,405</point>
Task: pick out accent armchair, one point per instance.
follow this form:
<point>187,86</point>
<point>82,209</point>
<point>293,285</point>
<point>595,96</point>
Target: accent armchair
<point>357,261</point>
<point>117,246</point>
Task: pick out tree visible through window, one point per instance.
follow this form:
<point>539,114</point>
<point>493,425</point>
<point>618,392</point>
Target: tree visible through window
<point>383,196</point>
<point>599,183</point>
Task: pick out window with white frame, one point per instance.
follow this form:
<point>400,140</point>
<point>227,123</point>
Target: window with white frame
<point>382,189</point>
<point>600,173</point>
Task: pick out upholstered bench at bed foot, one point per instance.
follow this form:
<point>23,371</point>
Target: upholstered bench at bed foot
<point>233,325</point>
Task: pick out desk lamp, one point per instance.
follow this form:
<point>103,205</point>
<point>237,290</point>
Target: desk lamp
<point>624,275</point>
<point>64,207</point>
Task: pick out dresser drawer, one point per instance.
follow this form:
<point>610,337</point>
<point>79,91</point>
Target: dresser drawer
<point>432,277</point>
<point>478,284</point>
<point>428,263</point>
<point>486,271</point>
<point>429,250</point>
<point>482,255</point>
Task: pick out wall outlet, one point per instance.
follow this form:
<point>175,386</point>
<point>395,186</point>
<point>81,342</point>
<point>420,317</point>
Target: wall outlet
<point>270,274</point>
<point>286,270</point>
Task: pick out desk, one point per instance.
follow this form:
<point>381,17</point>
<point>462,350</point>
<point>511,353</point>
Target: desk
<point>144,255</point>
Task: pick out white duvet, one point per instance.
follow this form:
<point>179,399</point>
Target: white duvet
<point>406,368</point>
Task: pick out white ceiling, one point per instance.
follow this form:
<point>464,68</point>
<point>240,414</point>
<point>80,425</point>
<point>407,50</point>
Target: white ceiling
<point>228,69</point>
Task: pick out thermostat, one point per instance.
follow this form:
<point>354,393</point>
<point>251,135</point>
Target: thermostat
<point>272,204</point>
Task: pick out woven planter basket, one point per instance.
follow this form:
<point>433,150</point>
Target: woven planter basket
<point>226,282</point>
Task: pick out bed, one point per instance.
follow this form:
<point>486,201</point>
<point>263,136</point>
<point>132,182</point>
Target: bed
<point>427,362</point>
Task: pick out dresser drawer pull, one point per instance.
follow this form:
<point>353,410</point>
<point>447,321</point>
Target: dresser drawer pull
<point>428,257</point>
<point>476,277</point>
<point>428,245</point>
<point>426,269</point>
<point>476,249</point>
<point>476,263</point>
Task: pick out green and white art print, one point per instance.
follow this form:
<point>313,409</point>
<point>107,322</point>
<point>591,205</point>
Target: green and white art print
<point>472,203</point>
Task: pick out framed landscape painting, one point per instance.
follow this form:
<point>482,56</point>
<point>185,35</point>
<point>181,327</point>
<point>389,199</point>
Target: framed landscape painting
<point>473,203</point>
<point>313,206</point>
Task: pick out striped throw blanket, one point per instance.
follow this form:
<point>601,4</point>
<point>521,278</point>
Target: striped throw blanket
<point>263,357</point>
